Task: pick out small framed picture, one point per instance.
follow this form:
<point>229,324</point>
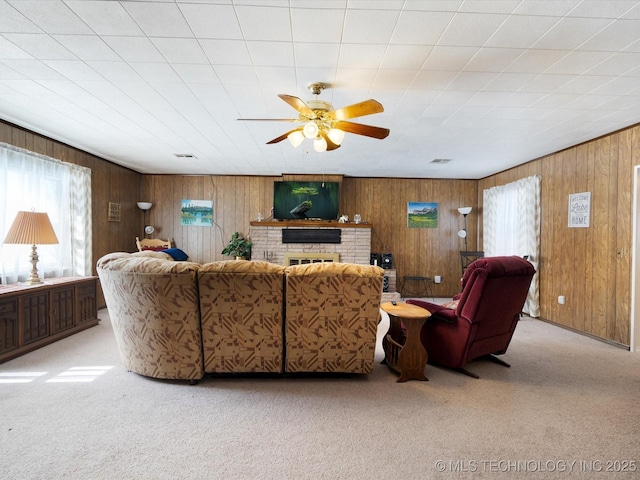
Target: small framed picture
<point>114,212</point>
<point>579,209</point>
<point>197,213</point>
<point>422,215</point>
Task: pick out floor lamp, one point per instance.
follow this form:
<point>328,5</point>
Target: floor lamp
<point>31,228</point>
<point>464,211</point>
<point>145,206</point>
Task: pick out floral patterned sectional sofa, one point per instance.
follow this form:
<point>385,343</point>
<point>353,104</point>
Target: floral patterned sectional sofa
<point>180,320</point>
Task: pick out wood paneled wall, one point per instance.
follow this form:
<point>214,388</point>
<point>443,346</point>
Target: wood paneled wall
<point>591,266</point>
<point>109,183</point>
<point>380,201</point>
<point>236,202</point>
<point>416,251</point>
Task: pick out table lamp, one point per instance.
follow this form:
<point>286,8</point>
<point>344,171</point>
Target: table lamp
<point>31,228</point>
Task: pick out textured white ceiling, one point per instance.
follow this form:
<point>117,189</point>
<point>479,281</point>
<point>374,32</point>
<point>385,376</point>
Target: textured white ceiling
<point>488,84</point>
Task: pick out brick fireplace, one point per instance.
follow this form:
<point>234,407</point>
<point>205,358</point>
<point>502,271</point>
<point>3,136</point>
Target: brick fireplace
<point>272,241</point>
<point>298,245</point>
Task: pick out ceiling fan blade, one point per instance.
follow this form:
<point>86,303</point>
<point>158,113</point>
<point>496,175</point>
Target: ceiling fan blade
<point>298,104</point>
<point>268,119</point>
<point>368,107</point>
<point>284,135</point>
<point>360,129</point>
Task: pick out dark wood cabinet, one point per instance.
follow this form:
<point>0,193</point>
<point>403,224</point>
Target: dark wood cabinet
<point>62,308</point>
<point>34,316</point>
<point>8,326</point>
<point>35,312</point>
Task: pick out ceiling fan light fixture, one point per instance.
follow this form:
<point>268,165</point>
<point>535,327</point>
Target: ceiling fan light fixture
<point>310,130</point>
<point>320,144</point>
<point>296,138</point>
<point>336,135</point>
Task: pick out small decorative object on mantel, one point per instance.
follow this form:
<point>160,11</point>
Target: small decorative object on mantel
<point>343,219</point>
<point>238,247</point>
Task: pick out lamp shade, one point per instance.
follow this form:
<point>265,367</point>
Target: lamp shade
<point>320,144</point>
<point>462,233</point>
<point>296,138</point>
<point>144,205</point>
<point>464,210</point>
<point>31,228</point>
<point>336,135</point>
<point>310,130</point>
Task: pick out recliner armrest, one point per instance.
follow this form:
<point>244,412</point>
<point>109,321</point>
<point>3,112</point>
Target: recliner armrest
<point>439,312</point>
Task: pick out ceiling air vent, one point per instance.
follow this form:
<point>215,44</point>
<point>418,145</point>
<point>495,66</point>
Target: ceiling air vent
<point>185,155</point>
<point>440,160</point>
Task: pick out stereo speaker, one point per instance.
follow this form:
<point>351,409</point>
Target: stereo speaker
<point>385,284</point>
<point>387,260</point>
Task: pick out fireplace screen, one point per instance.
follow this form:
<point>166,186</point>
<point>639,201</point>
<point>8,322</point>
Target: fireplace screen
<point>291,258</point>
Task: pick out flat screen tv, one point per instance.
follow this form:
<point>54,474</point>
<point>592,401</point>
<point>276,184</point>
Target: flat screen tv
<point>305,200</point>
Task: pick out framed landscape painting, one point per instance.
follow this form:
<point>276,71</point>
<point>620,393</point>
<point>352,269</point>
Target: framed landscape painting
<point>197,213</point>
<point>422,215</point>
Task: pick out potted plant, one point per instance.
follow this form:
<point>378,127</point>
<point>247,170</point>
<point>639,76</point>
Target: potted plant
<point>238,247</point>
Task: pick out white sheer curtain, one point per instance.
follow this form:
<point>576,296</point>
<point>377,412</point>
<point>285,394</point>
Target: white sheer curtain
<point>29,181</point>
<point>511,226</point>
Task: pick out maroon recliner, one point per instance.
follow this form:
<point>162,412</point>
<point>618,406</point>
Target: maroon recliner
<point>482,318</point>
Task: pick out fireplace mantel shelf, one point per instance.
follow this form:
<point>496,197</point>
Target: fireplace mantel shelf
<point>309,223</point>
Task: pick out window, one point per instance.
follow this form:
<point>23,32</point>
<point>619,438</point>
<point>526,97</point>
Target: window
<point>29,181</point>
<point>511,226</point>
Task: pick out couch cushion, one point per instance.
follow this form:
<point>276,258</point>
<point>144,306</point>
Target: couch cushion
<point>241,307</point>
<point>153,254</point>
<point>332,312</point>
<point>334,268</point>
<point>134,262</point>
<point>243,266</point>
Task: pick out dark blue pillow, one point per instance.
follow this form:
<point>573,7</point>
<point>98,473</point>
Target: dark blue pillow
<point>177,254</point>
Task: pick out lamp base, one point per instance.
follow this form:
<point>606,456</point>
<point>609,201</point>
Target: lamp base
<point>33,279</point>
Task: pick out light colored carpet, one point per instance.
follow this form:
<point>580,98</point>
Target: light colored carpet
<point>567,406</point>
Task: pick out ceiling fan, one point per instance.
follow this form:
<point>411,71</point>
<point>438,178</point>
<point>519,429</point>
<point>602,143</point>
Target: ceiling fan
<point>322,123</point>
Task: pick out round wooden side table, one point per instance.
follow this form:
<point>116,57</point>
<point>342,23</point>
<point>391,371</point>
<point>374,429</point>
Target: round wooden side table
<point>403,350</point>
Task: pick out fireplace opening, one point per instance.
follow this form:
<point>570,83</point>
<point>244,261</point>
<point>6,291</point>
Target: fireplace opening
<point>292,258</point>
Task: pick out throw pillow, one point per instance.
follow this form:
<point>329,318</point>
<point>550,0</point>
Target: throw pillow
<point>177,254</point>
<point>154,249</point>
